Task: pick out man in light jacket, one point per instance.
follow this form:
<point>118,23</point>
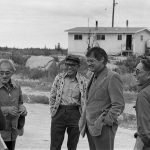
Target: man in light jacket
<point>67,96</point>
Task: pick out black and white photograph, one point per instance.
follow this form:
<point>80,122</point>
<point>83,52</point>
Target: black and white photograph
<point>74,75</point>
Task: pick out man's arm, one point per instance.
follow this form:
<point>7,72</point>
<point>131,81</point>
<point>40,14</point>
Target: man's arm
<point>53,92</point>
<point>22,109</point>
<point>143,118</point>
<point>115,89</point>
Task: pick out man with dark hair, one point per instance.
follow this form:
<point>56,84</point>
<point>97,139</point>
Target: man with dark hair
<point>142,74</point>
<point>67,96</point>
<point>104,102</point>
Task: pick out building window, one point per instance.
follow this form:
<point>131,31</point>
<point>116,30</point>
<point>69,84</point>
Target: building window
<point>141,37</point>
<point>100,37</point>
<point>119,37</point>
<point>78,37</point>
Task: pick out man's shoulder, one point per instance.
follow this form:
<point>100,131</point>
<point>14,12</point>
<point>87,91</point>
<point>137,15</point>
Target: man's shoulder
<point>113,73</point>
<point>15,83</point>
<point>60,76</point>
<point>81,77</point>
<point>145,91</point>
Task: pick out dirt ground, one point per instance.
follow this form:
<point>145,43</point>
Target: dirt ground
<point>37,132</point>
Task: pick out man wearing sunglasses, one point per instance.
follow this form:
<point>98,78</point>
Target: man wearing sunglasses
<point>142,74</point>
<point>11,103</point>
<point>67,96</point>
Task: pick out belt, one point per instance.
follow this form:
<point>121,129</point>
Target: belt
<point>69,106</point>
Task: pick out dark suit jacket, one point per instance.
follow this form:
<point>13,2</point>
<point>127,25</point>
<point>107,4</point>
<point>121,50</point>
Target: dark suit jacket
<point>104,103</point>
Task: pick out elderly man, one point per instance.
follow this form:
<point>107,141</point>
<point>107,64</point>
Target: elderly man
<point>67,97</point>
<point>143,105</point>
<point>104,102</point>
<point>11,103</point>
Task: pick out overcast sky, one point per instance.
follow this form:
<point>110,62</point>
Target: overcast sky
<point>40,23</point>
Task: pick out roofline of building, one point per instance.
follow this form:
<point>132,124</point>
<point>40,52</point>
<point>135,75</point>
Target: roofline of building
<point>108,32</point>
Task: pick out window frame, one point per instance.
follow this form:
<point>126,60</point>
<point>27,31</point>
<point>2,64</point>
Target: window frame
<point>77,36</point>
<point>100,37</point>
<point>142,37</point>
<point>119,37</point>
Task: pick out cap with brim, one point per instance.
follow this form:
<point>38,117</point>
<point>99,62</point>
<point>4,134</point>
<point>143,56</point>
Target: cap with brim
<point>72,60</point>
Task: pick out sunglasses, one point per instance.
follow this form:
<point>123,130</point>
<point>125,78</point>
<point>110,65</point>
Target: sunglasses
<point>7,73</point>
<point>137,71</point>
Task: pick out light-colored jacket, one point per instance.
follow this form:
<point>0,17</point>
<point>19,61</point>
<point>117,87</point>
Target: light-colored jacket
<point>104,103</point>
<point>57,89</point>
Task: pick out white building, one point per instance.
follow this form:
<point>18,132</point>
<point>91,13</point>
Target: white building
<point>116,40</point>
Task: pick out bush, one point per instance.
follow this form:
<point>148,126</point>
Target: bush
<point>128,65</point>
<point>37,74</point>
<point>129,82</point>
<point>19,59</point>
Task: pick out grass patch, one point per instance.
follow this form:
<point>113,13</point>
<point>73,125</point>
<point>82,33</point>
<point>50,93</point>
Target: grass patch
<point>127,121</point>
<point>35,99</point>
<point>129,97</point>
<point>129,82</point>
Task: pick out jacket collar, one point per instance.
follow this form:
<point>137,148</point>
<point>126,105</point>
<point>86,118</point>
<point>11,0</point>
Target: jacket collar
<point>11,82</point>
<point>99,72</point>
<point>77,75</point>
<point>144,85</point>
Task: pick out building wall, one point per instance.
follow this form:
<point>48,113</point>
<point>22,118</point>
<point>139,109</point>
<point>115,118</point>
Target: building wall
<point>77,46</point>
<point>139,45</point>
<point>111,43</point>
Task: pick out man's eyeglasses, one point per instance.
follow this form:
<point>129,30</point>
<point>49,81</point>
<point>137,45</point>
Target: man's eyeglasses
<point>137,71</point>
<point>7,73</point>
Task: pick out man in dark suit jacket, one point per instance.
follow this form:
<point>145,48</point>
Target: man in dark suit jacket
<point>104,102</point>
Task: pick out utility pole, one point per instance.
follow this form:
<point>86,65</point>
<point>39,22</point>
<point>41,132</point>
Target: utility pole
<point>113,12</point>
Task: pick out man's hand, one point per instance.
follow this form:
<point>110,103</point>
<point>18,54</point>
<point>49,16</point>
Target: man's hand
<point>12,110</point>
<point>22,110</point>
<point>139,144</point>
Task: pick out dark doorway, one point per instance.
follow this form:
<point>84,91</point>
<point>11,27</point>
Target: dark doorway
<point>129,42</point>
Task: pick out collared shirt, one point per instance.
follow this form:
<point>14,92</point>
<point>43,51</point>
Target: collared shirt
<point>71,92</point>
<point>10,95</point>
<point>95,76</point>
<point>57,90</point>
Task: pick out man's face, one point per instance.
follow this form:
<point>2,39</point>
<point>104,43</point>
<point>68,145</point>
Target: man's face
<point>5,73</point>
<point>95,65</point>
<point>71,68</point>
<point>141,75</point>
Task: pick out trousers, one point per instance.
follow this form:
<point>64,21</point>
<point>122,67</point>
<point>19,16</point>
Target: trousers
<point>105,141</point>
<point>10,145</point>
<point>65,120</point>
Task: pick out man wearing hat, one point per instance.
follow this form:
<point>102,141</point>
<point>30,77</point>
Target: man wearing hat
<point>67,96</point>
